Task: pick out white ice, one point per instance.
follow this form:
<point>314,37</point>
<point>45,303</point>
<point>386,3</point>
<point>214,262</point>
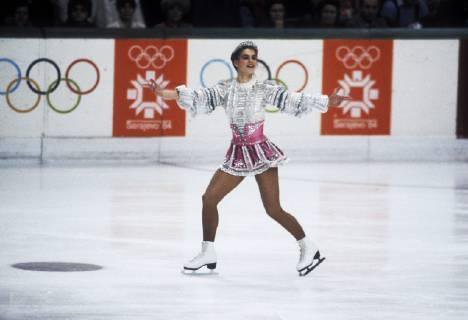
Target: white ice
<point>395,238</point>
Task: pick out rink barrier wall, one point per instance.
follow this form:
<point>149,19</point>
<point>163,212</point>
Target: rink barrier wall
<point>150,150</point>
<point>422,129</point>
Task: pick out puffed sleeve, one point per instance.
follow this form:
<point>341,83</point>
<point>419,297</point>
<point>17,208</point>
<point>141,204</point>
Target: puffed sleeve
<point>294,103</point>
<point>202,101</point>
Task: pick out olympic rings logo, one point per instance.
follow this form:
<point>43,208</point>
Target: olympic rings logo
<point>35,88</point>
<point>357,56</point>
<point>151,56</point>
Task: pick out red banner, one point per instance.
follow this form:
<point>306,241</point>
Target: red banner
<point>363,70</point>
<point>137,111</point>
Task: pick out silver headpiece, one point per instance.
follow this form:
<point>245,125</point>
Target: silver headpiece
<point>244,44</point>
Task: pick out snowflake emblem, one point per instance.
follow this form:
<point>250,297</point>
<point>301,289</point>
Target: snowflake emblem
<point>136,93</point>
<point>356,106</point>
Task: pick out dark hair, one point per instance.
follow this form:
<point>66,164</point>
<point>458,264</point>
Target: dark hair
<point>166,5</point>
<point>334,3</point>
<point>272,2</point>
<point>235,55</point>
<point>121,3</point>
<point>85,3</point>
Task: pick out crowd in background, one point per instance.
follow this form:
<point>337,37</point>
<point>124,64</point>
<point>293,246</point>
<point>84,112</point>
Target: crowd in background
<point>235,13</point>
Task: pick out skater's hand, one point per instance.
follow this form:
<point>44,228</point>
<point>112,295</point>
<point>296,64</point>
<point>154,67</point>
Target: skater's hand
<point>158,91</point>
<point>335,98</point>
<point>154,87</point>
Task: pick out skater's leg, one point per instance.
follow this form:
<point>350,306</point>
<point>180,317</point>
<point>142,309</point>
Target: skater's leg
<point>269,191</point>
<point>220,185</point>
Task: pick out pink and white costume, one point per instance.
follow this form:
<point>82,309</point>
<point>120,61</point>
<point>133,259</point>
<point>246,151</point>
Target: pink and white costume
<point>250,152</point>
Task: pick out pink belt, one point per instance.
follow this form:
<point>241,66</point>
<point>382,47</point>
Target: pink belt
<point>253,133</point>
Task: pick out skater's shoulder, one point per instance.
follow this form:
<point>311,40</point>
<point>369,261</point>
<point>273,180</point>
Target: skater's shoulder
<point>225,82</point>
<point>271,83</point>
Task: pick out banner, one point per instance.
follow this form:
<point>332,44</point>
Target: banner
<point>363,70</point>
<point>137,111</point>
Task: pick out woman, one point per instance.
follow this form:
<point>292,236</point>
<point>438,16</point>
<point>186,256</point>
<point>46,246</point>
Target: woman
<point>329,14</point>
<point>276,14</point>
<point>126,10</point>
<point>250,152</point>
<point>174,13</point>
<point>79,14</point>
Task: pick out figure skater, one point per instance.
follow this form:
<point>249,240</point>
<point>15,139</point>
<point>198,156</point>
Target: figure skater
<point>251,153</point>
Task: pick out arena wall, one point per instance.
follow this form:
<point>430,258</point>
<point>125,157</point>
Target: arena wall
<point>415,91</point>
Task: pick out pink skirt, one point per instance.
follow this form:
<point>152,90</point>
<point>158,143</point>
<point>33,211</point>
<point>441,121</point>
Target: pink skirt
<point>251,153</point>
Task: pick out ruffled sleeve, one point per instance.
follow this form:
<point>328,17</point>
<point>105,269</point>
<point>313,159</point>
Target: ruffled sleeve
<point>294,103</point>
<point>202,101</point>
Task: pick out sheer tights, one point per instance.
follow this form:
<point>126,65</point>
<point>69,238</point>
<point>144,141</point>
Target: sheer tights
<point>222,183</point>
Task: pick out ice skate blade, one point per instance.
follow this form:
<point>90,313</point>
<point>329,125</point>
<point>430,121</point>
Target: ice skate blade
<point>209,273</point>
<point>198,272</point>
<point>308,269</point>
<point>210,266</point>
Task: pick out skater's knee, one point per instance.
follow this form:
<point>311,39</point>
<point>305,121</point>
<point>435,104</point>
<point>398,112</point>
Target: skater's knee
<point>274,211</point>
<point>210,199</point>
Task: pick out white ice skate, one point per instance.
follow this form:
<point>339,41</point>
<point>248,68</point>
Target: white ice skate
<point>207,257</point>
<point>309,258</point>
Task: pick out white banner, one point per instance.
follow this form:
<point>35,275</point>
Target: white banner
<point>68,90</point>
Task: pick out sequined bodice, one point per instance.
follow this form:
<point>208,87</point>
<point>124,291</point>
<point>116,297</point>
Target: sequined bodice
<point>244,104</point>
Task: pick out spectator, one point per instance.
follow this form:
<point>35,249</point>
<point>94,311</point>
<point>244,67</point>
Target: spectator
<point>16,13</point>
<point>347,11</point>
<point>368,16</point>
<point>126,11</point>
<point>253,13</point>
<point>276,14</point>
<point>39,13</point>
<point>103,12</point>
<point>329,14</point>
<point>404,13</point>
<point>79,14</point>
<point>174,12</point>
<point>21,14</point>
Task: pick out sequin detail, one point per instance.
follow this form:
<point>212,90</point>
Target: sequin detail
<point>251,153</point>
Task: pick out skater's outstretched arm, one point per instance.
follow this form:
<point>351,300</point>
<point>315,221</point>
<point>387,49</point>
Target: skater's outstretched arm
<point>200,101</point>
<point>298,104</point>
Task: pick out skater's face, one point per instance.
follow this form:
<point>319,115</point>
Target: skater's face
<point>247,62</point>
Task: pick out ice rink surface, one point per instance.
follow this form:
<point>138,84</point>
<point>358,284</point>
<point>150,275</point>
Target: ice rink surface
<point>395,236</point>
